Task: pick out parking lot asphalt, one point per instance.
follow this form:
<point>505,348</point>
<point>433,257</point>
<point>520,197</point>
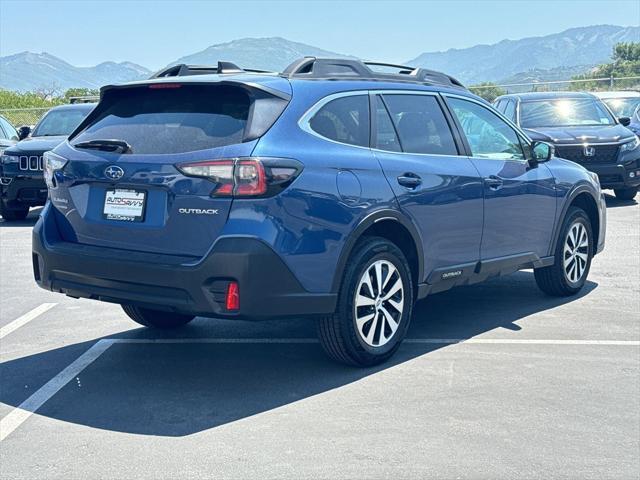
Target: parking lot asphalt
<point>496,380</point>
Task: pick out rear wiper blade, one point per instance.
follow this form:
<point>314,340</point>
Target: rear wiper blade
<point>107,145</point>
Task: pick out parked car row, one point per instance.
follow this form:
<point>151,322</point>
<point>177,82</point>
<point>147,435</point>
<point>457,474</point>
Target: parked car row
<point>21,165</point>
<point>585,130</point>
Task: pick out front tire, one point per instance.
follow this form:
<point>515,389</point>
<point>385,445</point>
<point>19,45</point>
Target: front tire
<point>626,193</point>
<point>156,318</point>
<point>573,255</point>
<point>374,306</point>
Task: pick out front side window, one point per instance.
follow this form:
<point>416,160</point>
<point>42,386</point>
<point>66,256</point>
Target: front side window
<point>59,122</point>
<point>488,135</point>
<point>9,131</point>
<point>344,120</point>
<point>564,112</point>
<point>421,124</point>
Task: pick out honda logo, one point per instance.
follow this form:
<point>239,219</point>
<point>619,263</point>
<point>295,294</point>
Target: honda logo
<point>589,151</point>
<point>113,172</point>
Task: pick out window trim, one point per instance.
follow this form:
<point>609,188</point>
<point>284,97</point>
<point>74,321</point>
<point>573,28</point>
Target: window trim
<point>517,130</point>
<point>305,120</point>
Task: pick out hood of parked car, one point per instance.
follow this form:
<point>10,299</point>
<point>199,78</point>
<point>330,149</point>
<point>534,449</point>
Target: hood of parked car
<point>580,134</point>
<point>36,144</point>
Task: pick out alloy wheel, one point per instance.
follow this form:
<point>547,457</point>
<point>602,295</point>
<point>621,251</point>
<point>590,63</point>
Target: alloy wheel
<point>576,252</point>
<point>379,300</point>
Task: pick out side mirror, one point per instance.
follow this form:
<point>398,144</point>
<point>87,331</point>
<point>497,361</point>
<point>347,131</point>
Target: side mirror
<point>624,121</point>
<point>24,131</point>
<point>542,151</point>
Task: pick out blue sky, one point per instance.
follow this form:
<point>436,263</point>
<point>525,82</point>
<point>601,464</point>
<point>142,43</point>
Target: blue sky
<point>156,32</point>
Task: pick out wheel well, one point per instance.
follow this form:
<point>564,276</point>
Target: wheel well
<point>397,233</point>
<point>588,204</point>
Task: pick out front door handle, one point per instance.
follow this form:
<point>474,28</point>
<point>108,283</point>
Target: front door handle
<point>493,182</point>
<point>409,180</point>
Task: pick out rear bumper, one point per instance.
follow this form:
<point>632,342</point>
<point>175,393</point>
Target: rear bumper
<point>30,191</point>
<point>182,284</point>
<point>617,176</point>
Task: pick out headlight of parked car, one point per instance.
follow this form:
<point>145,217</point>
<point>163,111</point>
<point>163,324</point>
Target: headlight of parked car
<point>7,159</point>
<point>630,145</point>
<point>52,162</point>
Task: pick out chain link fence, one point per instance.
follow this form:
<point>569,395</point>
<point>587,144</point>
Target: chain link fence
<point>589,85</point>
<point>23,116</point>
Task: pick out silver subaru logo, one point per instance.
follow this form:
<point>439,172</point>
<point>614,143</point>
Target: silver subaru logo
<point>589,151</point>
<point>113,172</point>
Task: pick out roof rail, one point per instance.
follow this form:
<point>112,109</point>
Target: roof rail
<point>183,69</point>
<point>313,67</point>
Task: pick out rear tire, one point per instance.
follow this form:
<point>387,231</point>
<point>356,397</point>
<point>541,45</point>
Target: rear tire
<point>370,322</point>
<point>156,318</point>
<point>573,255</point>
<point>626,193</point>
<point>13,214</point>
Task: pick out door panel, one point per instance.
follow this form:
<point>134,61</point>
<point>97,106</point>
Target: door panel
<point>441,193</point>
<point>519,207</point>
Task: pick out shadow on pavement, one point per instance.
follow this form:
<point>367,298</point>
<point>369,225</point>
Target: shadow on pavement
<point>30,221</point>
<point>613,202</point>
<point>183,388</point>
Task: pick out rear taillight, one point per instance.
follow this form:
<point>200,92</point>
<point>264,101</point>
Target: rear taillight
<point>245,177</point>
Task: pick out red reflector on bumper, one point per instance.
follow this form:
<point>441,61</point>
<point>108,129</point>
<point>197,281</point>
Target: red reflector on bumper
<point>233,296</point>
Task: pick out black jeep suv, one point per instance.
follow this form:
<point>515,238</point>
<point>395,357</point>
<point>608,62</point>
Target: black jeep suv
<point>21,166</point>
<point>583,130</point>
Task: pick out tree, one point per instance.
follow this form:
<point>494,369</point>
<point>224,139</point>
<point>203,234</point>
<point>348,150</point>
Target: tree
<point>487,90</point>
<point>48,92</point>
<point>626,63</point>
<point>81,92</point>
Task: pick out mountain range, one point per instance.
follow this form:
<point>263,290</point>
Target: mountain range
<point>555,56</point>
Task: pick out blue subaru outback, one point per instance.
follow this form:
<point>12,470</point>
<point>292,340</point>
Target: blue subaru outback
<point>337,189</point>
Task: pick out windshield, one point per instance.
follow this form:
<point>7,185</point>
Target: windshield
<point>59,122</point>
<point>623,107</point>
<point>564,112</point>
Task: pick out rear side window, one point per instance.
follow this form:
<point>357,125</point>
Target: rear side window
<point>171,120</point>
<point>421,124</point>
<point>344,120</point>
<point>510,110</point>
<point>386,137</point>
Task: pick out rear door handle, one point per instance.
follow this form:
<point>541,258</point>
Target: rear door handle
<point>493,182</point>
<point>409,180</point>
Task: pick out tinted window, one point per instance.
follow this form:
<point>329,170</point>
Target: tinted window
<point>171,120</point>
<point>59,122</point>
<point>421,124</point>
<point>9,131</point>
<point>563,112</point>
<point>488,135</point>
<point>344,120</point>
<point>386,138</point>
<point>510,110</point>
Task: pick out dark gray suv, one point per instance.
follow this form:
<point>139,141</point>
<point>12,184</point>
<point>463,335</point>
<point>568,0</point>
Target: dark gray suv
<point>583,130</point>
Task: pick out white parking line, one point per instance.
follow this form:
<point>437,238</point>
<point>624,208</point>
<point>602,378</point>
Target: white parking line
<point>20,414</point>
<point>24,319</point>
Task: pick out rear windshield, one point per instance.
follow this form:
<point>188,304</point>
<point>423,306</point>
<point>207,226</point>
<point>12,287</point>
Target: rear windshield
<point>171,120</point>
<point>60,122</point>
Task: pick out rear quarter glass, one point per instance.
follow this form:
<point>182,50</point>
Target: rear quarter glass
<point>181,119</point>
